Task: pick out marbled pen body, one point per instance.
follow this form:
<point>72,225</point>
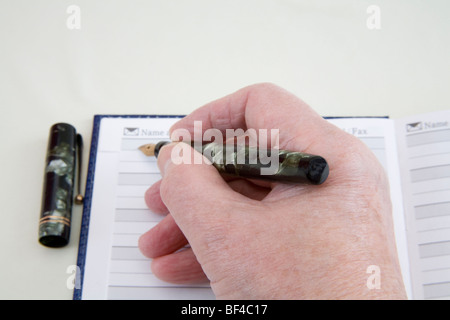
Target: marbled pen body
<point>259,163</point>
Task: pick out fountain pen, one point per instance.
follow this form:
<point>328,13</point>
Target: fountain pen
<point>250,162</point>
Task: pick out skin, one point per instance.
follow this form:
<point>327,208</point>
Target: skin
<point>260,240</point>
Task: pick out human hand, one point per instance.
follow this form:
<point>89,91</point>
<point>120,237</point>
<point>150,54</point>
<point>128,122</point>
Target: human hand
<point>261,240</point>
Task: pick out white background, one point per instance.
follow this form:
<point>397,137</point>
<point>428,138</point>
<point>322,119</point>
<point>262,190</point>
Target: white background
<point>170,57</point>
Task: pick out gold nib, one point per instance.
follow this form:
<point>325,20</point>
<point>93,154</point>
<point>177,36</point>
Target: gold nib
<point>148,149</point>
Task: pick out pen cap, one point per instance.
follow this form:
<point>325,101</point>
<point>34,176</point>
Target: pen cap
<point>59,179</point>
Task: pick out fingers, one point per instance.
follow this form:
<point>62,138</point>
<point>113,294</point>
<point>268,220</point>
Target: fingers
<point>257,191</point>
<point>165,238</point>
<point>153,199</point>
<point>196,196</point>
<point>162,244</point>
<point>180,267</point>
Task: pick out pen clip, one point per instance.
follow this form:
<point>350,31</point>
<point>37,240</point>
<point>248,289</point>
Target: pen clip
<point>79,197</point>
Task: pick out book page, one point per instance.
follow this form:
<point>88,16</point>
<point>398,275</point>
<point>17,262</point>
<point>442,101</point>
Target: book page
<point>115,267</point>
<point>424,154</point>
<point>379,135</point>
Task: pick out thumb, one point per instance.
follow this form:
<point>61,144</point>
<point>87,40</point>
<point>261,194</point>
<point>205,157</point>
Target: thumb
<point>195,194</point>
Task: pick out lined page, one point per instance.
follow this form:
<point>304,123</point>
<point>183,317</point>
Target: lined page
<point>424,149</point>
<point>115,267</point>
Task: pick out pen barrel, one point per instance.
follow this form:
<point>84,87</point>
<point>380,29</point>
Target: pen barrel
<point>268,164</point>
<point>59,179</point>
